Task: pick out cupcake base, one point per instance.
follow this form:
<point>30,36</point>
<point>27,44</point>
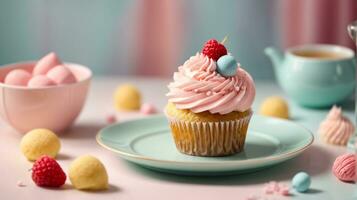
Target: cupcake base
<point>210,138</point>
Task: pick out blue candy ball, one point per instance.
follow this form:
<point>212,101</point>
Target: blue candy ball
<point>301,182</point>
<point>227,66</point>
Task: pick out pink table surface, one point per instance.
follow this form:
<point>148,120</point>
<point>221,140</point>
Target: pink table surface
<point>128,181</point>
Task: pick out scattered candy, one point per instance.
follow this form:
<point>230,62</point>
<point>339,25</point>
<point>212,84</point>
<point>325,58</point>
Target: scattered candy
<point>284,190</point>
<point>147,109</point>
<point>275,106</point>
<point>268,190</point>
<point>344,167</point>
<point>40,81</point>
<point>213,49</point>
<point>274,187</point>
<point>227,66</point>
<point>271,189</point>
<point>61,75</point>
<point>301,182</point>
<point>127,98</point>
<point>110,119</point>
<point>20,184</point>
<point>88,173</point>
<point>48,173</point>
<point>39,142</point>
<point>46,63</point>
<point>17,77</point>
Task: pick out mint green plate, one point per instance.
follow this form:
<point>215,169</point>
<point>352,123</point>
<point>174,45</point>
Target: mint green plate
<point>148,142</point>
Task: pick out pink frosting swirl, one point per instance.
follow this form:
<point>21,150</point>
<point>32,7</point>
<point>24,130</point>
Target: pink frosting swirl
<point>336,129</point>
<point>198,87</point>
<point>344,167</point>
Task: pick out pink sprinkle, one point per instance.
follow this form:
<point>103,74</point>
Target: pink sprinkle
<point>20,184</point>
<point>284,191</point>
<point>271,187</point>
<point>147,109</point>
<point>111,119</point>
<point>268,189</point>
<point>275,186</point>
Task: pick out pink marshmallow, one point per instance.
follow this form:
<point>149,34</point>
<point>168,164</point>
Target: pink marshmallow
<point>147,109</point>
<point>46,63</point>
<point>40,81</point>
<point>17,77</point>
<point>61,75</point>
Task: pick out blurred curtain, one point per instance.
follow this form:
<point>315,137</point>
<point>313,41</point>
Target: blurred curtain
<point>165,33</point>
<point>158,40</point>
<point>316,21</point>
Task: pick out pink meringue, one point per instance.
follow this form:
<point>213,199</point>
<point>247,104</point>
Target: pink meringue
<point>336,129</point>
<point>40,81</point>
<point>61,75</point>
<point>344,167</point>
<point>46,63</point>
<point>17,77</point>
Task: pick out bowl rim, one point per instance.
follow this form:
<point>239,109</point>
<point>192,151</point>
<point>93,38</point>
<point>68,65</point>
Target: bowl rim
<point>76,65</point>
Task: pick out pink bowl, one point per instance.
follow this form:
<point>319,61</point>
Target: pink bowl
<point>54,108</point>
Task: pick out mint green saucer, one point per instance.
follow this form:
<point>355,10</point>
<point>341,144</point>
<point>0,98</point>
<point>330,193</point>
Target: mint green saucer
<point>148,142</point>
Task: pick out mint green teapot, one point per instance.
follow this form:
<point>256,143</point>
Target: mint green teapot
<point>316,75</point>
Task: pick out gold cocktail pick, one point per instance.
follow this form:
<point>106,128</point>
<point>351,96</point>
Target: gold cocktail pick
<point>224,39</point>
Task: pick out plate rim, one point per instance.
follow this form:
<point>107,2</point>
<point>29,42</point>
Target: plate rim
<point>214,163</point>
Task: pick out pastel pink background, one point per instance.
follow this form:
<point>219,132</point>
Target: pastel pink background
<point>151,38</point>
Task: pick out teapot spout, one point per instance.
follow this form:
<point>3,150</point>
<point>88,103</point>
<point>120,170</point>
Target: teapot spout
<point>276,57</point>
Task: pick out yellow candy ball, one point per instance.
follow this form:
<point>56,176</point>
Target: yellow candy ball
<point>275,107</point>
<point>127,97</point>
<point>40,142</point>
<point>88,173</point>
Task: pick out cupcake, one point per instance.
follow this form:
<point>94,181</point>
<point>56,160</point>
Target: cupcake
<point>209,103</point>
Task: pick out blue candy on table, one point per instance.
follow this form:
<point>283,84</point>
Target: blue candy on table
<point>301,182</point>
<point>227,66</point>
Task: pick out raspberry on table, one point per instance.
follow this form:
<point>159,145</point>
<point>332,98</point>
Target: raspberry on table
<point>47,172</point>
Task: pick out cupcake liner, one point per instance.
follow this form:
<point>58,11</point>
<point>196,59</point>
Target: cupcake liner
<point>209,138</point>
